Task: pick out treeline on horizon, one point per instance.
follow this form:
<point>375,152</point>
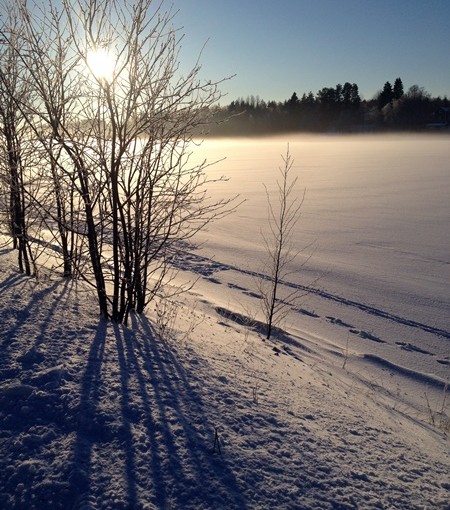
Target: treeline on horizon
<point>334,109</point>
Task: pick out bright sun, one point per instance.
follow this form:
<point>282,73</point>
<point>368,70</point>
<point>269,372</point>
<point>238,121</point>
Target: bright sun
<point>101,64</point>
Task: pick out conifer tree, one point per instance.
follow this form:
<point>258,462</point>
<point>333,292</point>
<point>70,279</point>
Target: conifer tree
<point>398,89</point>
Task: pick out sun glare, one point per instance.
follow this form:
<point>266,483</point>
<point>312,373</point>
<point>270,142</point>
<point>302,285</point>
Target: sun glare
<point>101,64</point>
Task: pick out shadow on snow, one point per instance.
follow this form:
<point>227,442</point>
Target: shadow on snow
<point>162,440</point>
<point>98,415</point>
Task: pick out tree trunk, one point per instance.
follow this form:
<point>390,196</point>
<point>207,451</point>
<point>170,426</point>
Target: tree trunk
<point>17,211</point>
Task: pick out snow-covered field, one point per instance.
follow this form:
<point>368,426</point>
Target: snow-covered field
<point>346,408</point>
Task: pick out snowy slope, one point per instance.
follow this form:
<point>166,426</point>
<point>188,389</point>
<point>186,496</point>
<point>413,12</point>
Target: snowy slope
<point>347,408</point>
<point>95,415</point>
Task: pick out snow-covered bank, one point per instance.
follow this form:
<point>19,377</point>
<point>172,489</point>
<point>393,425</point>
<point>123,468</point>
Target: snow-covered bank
<point>95,415</point>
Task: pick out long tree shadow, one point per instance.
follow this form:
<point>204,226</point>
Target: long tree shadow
<point>186,472</point>
<point>143,435</point>
<point>25,322</point>
<point>10,280</point>
<point>89,426</point>
<point>37,357</point>
<point>131,428</point>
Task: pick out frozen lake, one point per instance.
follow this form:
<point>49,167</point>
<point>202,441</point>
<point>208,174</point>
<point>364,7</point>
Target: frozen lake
<point>377,212</point>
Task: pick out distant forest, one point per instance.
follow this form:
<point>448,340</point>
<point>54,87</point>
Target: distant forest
<point>335,109</point>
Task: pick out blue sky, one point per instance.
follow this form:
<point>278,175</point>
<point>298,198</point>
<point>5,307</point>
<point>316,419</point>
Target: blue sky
<point>276,47</point>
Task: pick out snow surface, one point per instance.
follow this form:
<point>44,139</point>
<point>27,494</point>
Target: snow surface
<point>345,408</point>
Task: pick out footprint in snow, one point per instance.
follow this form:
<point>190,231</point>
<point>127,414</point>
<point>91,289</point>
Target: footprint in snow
<point>306,312</point>
<point>253,294</point>
<point>412,348</point>
<point>234,286</point>
<point>339,322</point>
<point>367,336</point>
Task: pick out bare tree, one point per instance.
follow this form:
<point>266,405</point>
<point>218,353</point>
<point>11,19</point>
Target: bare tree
<point>32,91</point>
<point>116,117</point>
<point>283,216</point>
<point>12,146</point>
